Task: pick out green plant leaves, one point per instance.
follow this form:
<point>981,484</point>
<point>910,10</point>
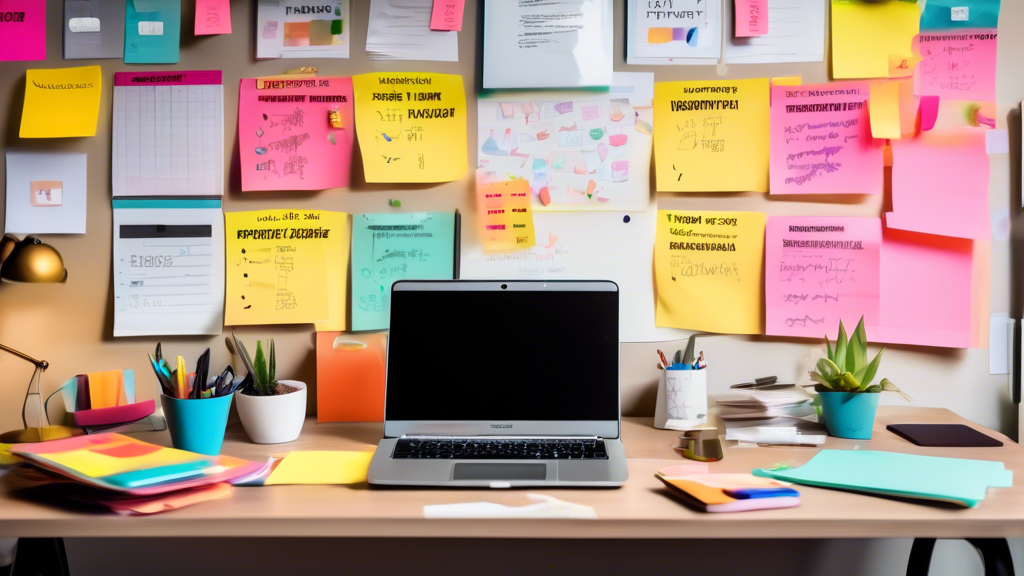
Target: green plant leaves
<point>273,365</point>
<point>857,350</point>
<point>841,342</point>
<point>828,346</point>
<point>262,379</point>
<point>872,368</point>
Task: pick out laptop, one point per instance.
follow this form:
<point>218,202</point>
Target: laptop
<point>502,384</point>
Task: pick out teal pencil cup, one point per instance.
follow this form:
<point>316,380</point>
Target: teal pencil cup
<point>848,414</point>
<point>197,425</point>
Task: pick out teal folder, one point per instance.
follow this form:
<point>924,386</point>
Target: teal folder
<point>152,31</point>
<point>955,480</point>
<point>956,14</point>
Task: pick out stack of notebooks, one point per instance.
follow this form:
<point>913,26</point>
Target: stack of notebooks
<point>727,492</point>
<point>785,416</point>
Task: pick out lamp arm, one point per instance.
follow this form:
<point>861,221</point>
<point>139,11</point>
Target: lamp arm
<point>41,364</point>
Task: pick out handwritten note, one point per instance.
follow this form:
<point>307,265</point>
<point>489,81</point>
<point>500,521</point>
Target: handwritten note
<point>866,34</point>
<point>506,219</point>
<point>957,65</point>
<point>818,271</point>
<point>411,126</point>
<point>711,136</point>
<point>707,266</point>
<point>821,140</point>
<point>213,17</point>
<point>940,183</point>
<point>390,247</point>
<point>23,28</point>
<point>285,134</point>
<point>751,18</point>
<point>447,15</point>
<point>61,102</point>
<point>278,266</point>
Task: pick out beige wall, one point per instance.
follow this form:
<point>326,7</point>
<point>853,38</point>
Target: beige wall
<point>71,325</point>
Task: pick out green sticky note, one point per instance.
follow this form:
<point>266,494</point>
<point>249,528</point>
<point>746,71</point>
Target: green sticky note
<point>390,247</point>
<point>336,27</point>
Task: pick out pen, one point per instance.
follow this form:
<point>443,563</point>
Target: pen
<point>663,359</point>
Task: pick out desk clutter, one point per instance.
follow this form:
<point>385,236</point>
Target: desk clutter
<point>561,167</point>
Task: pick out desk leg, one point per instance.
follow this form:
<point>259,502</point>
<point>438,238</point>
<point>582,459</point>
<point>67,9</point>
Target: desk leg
<point>995,552</point>
<point>40,556</point>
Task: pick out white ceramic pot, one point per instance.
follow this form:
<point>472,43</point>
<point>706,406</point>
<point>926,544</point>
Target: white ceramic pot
<point>273,419</point>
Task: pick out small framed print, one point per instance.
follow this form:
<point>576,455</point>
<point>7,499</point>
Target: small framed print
<point>47,193</point>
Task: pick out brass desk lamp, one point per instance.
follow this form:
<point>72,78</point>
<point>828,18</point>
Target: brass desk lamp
<point>22,262</point>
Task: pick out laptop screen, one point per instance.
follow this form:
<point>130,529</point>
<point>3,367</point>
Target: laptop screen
<point>528,352</point>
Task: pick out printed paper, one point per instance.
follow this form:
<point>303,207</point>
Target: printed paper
<point>506,219</point>
<point>708,270</point>
<point>866,34</point>
<point>796,33</point>
<point>674,32</point>
<point>303,29</point>
<point>411,126</point>
<point>46,193</point>
<point>712,136</point>
<point>61,102</point>
<point>957,65</point>
<point>285,133</point>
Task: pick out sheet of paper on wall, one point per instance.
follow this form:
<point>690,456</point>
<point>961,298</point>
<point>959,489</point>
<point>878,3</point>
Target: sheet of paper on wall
<point>617,246</point>
<point>506,219</point>
<point>152,31</point>
<point>712,135</point>
<point>168,267</point>
<point>168,133</point>
<point>796,33</point>
<point>675,32</point>
<point>286,136</point>
<point>818,271</point>
<point>940,183</point>
<point>821,140</point>
<point>93,29</point>
<point>550,44</point>
<point>213,17</point>
<point>959,65</point>
<point>865,34</point>
<point>46,193</point>
<point>400,30</point>
<point>411,126</point>
<point>579,151</point>
<point>23,31</point>
<point>707,267</point>
<point>281,266</point>
<point>61,102</point>
<point>302,29</point>
<point>390,247</point>
<point>956,14</point>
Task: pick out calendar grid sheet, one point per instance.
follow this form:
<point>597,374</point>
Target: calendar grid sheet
<point>168,140</point>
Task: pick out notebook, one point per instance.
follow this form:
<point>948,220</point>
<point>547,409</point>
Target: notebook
<point>726,492</point>
<point>948,435</point>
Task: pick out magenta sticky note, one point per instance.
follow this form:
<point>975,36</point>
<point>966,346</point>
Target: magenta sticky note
<point>929,112</point>
<point>447,15</point>
<point>751,18</point>
<point>23,30</point>
<point>213,17</point>
<point>958,65</point>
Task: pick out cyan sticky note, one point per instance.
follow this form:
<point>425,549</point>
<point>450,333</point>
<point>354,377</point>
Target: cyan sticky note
<point>152,31</point>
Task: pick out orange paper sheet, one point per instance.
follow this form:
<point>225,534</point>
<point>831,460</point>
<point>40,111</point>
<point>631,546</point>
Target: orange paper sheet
<point>106,389</point>
<point>350,377</point>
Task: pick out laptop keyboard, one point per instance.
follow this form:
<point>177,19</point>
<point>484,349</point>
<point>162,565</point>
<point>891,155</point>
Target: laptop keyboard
<point>501,449</point>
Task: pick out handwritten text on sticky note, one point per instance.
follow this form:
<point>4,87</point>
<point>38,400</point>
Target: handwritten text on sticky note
<point>447,15</point>
<point>213,17</point>
<point>751,18</point>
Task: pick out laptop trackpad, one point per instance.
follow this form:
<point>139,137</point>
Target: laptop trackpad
<point>500,472</point>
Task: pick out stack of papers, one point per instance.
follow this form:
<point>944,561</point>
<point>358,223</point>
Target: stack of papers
<point>400,30</point>
<point>783,416</point>
<point>726,492</point>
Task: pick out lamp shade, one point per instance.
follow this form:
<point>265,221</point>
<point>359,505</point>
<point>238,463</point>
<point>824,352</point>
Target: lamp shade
<point>30,261</point>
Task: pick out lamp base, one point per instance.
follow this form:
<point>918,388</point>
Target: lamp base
<point>39,434</point>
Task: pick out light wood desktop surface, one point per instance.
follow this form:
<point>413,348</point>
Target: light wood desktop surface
<point>641,509</point>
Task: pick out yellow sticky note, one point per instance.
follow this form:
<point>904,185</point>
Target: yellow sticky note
<point>321,467</point>
<point>711,136</point>
<point>506,216</point>
<point>787,80</point>
<point>884,108</point>
<point>707,266</point>
<point>411,126</point>
<point>866,34</point>
<point>61,102</point>
<point>902,66</point>
<point>282,267</point>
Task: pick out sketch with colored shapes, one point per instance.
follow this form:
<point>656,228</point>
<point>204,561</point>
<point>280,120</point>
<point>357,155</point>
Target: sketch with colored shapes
<point>674,31</point>
<point>579,152</point>
<point>302,29</point>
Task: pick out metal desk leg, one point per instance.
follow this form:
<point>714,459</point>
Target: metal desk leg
<point>995,553</point>
<point>40,557</point>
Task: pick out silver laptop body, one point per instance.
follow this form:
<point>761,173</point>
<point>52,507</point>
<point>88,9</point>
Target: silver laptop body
<point>502,384</point>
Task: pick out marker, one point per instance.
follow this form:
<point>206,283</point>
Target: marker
<point>663,359</point>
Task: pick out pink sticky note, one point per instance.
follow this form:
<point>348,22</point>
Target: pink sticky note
<point>447,15</point>
<point>285,136</point>
<point>940,183</point>
<point>929,112</point>
<point>957,65</point>
<point>23,30</point>
<point>818,271</point>
<point>213,17</point>
<point>821,141</point>
<point>751,18</point>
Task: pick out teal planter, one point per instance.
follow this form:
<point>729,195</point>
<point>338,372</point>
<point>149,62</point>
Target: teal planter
<point>849,414</point>
<point>197,425</point>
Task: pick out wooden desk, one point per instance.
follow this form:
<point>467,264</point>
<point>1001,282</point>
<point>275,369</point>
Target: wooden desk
<point>641,509</point>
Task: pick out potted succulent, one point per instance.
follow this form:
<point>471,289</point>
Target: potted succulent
<point>843,380</point>
<point>272,411</point>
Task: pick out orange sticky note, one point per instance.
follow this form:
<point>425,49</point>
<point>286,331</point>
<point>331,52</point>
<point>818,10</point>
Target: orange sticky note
<point>350,377</point>
<point>884,108</point>
<point>106,389</point>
